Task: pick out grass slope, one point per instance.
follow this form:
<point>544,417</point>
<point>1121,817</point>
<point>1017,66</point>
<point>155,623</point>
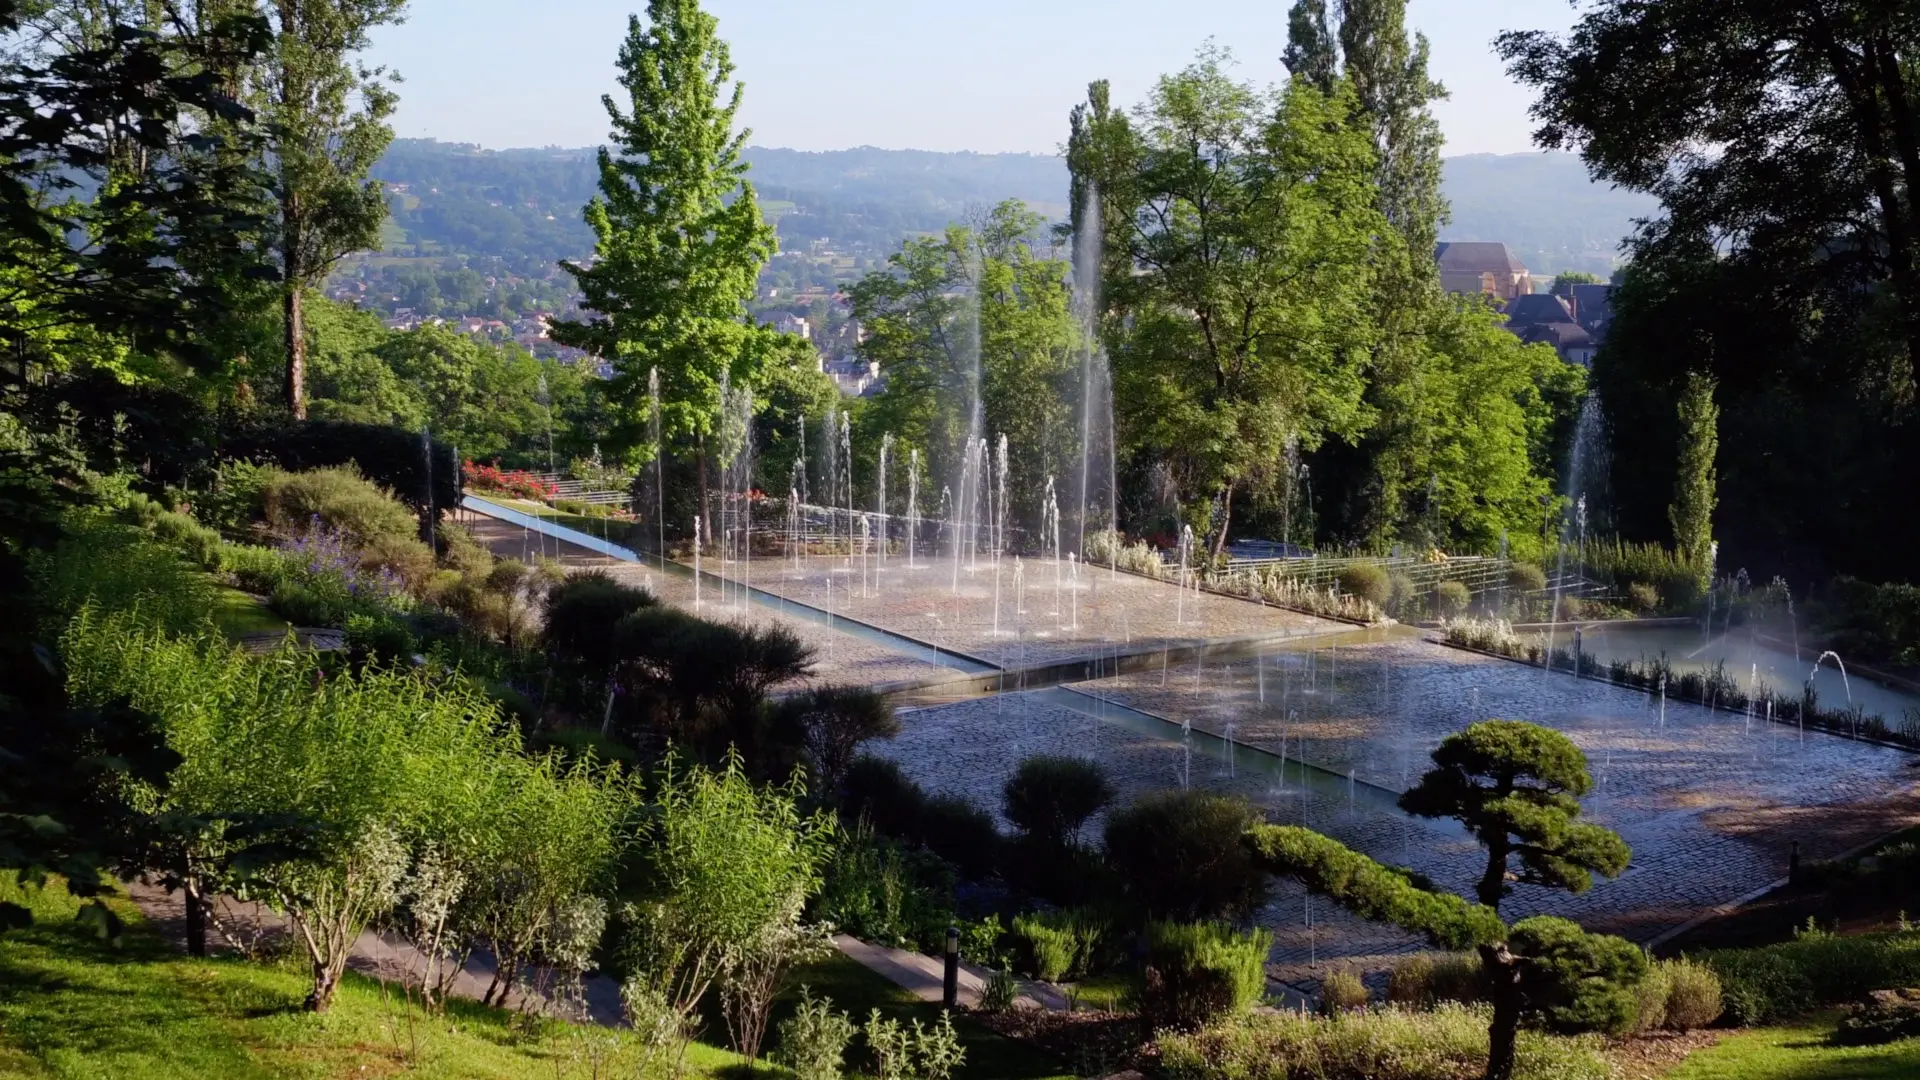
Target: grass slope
<point>1799,1051</point>
<point>72,1006</point>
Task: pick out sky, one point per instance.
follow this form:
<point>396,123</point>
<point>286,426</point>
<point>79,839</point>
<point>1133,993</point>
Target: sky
<point>985,75</point>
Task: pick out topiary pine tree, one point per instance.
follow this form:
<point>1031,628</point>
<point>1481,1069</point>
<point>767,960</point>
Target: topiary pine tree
<point>1516,786</point>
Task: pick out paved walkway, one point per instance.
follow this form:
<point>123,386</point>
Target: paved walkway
<point>925,976</point>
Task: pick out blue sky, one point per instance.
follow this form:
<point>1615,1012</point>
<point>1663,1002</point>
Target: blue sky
<point>986,75</point>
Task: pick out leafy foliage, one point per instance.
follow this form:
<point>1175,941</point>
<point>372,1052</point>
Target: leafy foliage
<point>1516,786</point>
<point>1178,855</point>
<point>1198,972</point>
<point>1049,798</point>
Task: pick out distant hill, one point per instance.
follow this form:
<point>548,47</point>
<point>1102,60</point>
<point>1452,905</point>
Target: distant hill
<point>509,215</point>
<point>1544,207</point>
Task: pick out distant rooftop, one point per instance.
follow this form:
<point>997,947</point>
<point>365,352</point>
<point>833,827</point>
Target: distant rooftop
<point>1477,257</point>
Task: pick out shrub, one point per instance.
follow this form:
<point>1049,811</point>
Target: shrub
<point>1342,991</point>
<point>830,723</point>
<point>379,639</point>
<point>339,497</point>
<point>1178,855</point>
<point>1446,1043</point>
<point>1196,972</point>
<point>581,614</point>
<point>201,544</point>
<point>232,503</point>
<point>1759,986</point>
<point>1693,995</point>
<point>1402,597</point>
<point>878,890</point>
<point>813,1041</point>
<point>876,789</point>
<point>1451,598</point>
<point>1650,998</point>
<point>961,833</point>
<point>1368,582</point>
<point>1574,981</point>
<point>919,1053</point>
<point>999,992</point>
<point>1062,944</point>
<point>1049,947</point>
<point>391,457</point>
<point>253,568</point>
<point>117,567</point>
<point>1643,598</point>
<point>1050,797</point>
<point>1814,970</point>
<point>1526,577</point>
<point>1427,979</point>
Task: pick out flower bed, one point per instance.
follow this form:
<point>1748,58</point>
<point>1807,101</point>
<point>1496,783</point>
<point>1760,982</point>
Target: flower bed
<point>516,482</point>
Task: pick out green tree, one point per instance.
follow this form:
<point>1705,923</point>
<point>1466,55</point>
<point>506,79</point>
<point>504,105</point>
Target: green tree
<point>1516,787</point>
<point>326,119</point>
<point>923,334</point>
<point>1565,280</point>
<point>1815,150</point>
<point>678,237</point>
<point>1693,487</point>
<point>1255,221</point>
<point>1488,409</point>
<point>1311,52</point>
<point>1385,481</point>
<point>729,865</point>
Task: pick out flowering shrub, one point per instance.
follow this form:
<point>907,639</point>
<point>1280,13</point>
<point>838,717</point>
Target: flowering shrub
<point>321,580</point>
<point>516,482</point>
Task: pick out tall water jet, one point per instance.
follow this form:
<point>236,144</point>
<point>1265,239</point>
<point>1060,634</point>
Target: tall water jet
<point>800,460</point>
<point>880,503</point>
<point>829,431</point>
<point>1000,500</point>
<point>1584,467</point>
<point>1099,503</point>
<point>846,456</point>
<point>913,501</point>
<point>659,461</point>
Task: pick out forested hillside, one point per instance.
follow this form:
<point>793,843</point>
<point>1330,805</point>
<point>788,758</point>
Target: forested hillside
<point>514,213</point>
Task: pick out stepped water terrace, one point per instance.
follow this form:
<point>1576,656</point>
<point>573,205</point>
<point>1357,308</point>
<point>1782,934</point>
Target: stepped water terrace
<point>1318,722</point>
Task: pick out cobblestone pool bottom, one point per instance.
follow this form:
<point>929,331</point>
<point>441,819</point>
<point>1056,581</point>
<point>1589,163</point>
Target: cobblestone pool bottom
<point>1710,802</point>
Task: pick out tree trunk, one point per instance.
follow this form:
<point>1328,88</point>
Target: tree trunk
<point>706,511</point>
<point>296,346</point>
<point>1503,986</point>
<point>325,982</point>
<point>196,918</point>
<point>1226,520</point>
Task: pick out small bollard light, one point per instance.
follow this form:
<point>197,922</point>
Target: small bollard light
<point>1793,864</point>
<point>950,988</point>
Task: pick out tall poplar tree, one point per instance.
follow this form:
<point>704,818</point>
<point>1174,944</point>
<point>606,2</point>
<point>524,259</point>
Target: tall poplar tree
<point>1693,487</point>
<point>1384,478</point>
<point>1311,53</point>
<point>679,241</point>
<point>326,122</point>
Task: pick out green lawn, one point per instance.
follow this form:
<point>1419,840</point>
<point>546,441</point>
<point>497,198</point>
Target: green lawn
<point>1799,1052</point>
<point>72,1006</point>
<point>238,614</point>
